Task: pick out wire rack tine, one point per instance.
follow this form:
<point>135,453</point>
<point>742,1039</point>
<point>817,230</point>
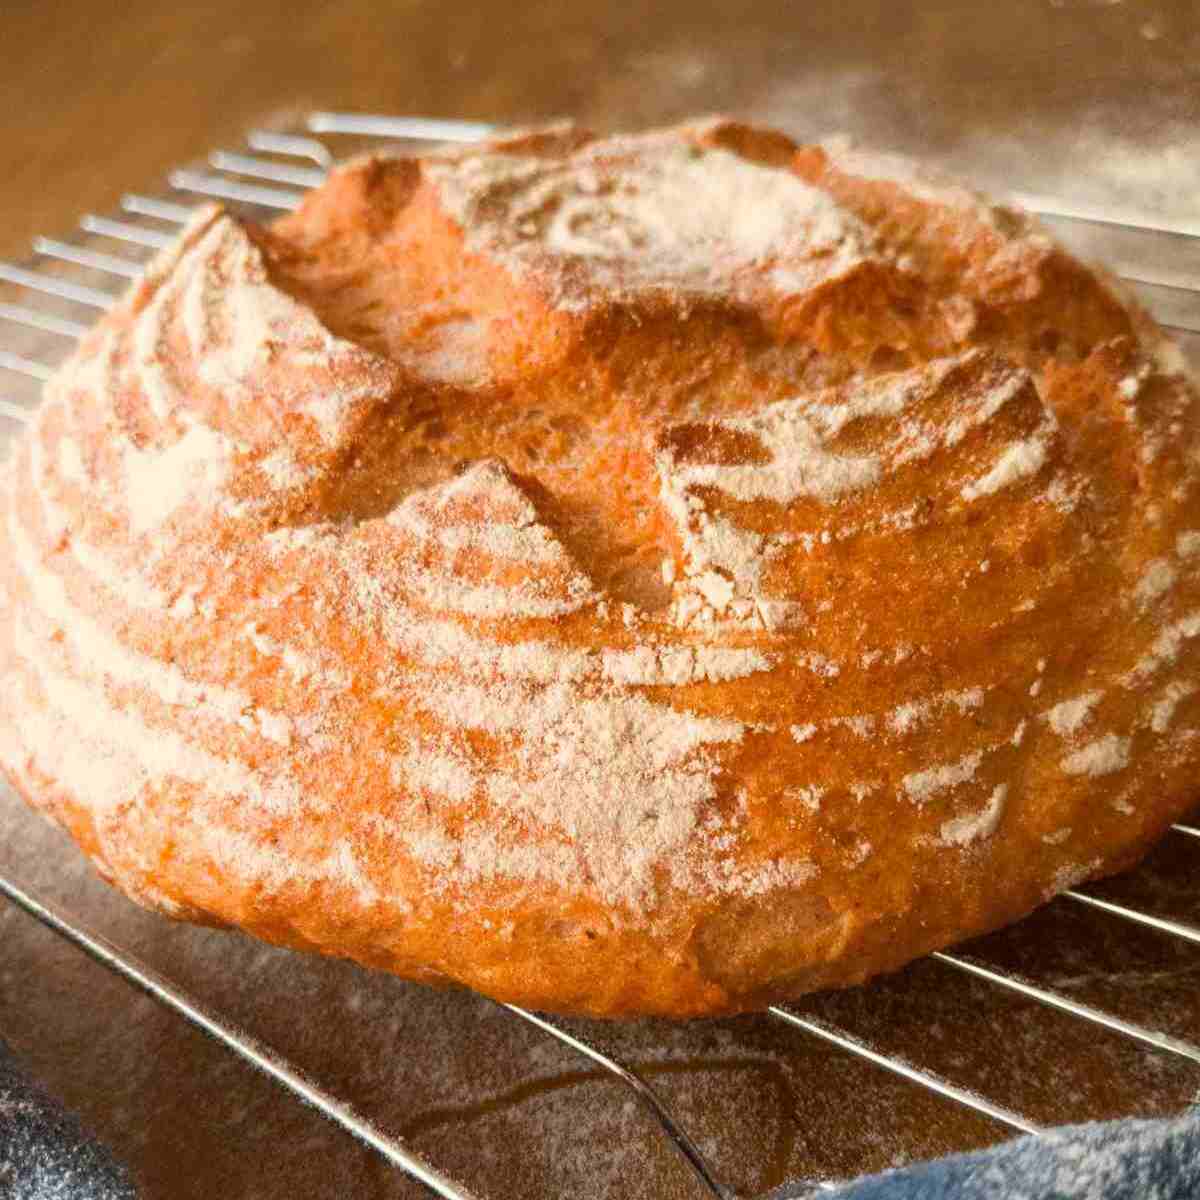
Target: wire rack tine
<point>263,168</point>
<point>47,322</point>
<point>1050,207</point>
<point>123,231</point>
<point>204,184</point>
<point>64,252</point>
<point>1175,281</point>
<point>25,366</point>
<point>1172,326</point>
<point>18,412</point>
<point>1188,933</point>
<point>152,206</point>
<point>420,129</point>
<point>1013,983</point>
<point>1190,830</point>
<point>898,1066</point>
<point>246,1047</point>
<point>649,1098</point>
<point>51,285</point>
<point>290,144</point>
<point>1168,304</point>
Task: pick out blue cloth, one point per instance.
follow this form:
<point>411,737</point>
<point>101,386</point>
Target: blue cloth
<point>1120,1160</point>
<point>44,1152</point>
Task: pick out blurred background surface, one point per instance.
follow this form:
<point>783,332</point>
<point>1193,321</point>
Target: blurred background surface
<point>1082,96</point>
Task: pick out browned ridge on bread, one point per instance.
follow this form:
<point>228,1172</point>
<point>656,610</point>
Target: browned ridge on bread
<point>654,574</point>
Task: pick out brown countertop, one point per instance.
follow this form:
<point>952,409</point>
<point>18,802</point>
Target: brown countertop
<point>100,96</point>
<point>1094,100</point>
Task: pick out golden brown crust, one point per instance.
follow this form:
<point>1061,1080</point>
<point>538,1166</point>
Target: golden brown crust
<point>656,575</point>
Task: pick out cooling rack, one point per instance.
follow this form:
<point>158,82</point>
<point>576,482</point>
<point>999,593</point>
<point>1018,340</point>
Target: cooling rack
<point>49,301</point>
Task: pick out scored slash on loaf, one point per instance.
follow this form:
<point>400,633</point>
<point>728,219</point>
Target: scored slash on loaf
<point>655,574</point>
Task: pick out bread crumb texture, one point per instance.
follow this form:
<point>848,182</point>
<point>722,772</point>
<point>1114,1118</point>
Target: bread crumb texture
<point>654,574</point>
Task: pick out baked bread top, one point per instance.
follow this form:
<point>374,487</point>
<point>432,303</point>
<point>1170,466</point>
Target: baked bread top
<point>654,574</point>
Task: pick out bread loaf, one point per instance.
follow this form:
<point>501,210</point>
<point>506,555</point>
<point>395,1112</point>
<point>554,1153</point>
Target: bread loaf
<point>661,574</point>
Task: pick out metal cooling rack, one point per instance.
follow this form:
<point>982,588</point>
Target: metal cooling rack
<point>64,286</point>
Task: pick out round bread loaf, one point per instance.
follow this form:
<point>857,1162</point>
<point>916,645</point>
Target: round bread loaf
<point>658,574</point>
